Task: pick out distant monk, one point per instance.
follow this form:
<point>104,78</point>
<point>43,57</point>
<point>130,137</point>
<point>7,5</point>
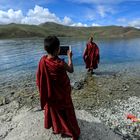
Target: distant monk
<point>91,55</point>
<point>55,91</point>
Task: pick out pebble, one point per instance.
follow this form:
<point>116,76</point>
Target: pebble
<point>125,128</point>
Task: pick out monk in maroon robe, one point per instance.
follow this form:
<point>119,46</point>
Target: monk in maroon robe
<point>91,55</point>
<point>55,91</point>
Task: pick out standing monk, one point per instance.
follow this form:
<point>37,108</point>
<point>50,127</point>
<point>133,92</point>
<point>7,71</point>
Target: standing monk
<point>55,90</point>
<point>91,55</point>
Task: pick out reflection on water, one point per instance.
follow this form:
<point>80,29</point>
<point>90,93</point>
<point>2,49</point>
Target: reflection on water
<point>21,56</point>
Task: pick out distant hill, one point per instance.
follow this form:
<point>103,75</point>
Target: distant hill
<point>50,28</point>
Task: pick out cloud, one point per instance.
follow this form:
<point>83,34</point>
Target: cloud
<point>79,24</point>
<point>22,4</point>
<point>90,14</point>
<point>39,15</point>
<point>105,2</point>
<point>67,21</point>
<point>10,16</point>
<point>35,16</point>
<point>135,23</point>
<point>122,20</point>
<point>94,24</point>
<point>101,10</point>
<point>96,12</point>
<point>104,10</point>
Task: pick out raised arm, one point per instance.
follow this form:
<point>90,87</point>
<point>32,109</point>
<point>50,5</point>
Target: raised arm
<point>69,66</point>
<point>85,53</point>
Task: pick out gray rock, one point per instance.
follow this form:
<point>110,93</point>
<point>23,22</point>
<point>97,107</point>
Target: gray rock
<point>78,85</point>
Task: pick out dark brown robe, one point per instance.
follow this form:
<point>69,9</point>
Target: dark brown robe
<point>91,55</point>
<point>55,97</point>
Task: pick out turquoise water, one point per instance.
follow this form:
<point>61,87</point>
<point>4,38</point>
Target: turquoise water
<point>21,56</point>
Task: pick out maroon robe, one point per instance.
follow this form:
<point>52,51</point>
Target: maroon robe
<point>91,55</point>
<point>55,97</point>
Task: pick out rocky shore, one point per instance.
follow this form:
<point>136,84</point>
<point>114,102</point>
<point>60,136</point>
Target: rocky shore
<point>101,101</point>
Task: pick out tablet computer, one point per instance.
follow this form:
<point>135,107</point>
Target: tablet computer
<point>64,49</point>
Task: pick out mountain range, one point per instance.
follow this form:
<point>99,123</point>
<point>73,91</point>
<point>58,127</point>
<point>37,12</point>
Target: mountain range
<point>50,28</point>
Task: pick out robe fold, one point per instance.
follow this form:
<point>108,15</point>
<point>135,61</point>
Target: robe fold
<point>55,97</point>
<point>91,56</point>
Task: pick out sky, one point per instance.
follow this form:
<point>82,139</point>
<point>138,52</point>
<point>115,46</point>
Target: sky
<point>71,12</point>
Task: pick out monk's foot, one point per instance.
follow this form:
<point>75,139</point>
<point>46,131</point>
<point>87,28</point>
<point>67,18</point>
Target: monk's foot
<point>92,72</point>
<point>65,136</point>
<point>76,138</point>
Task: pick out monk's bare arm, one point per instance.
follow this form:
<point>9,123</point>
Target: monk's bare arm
<point>85,53</point>
<point>98,54</point>
<point>69,66</point>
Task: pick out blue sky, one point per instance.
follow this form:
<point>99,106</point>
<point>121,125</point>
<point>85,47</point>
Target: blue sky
<point>71,12</point>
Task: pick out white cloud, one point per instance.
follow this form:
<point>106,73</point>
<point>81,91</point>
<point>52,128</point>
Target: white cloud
<point>67,21</point>
<point>90,14</point>
<point>79,24</point>
<point>135,23</point>
<point>95,24</point>
<point>34,16</point>
<point>100,1</point>
<point>101,11</point>
<point>122,20</point>
<point>95,12</point>
<point>10,16</point>
<point>39,15</point>
<point>104,10</point>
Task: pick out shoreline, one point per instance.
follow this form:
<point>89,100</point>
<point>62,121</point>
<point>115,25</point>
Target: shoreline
<point>104,96</point>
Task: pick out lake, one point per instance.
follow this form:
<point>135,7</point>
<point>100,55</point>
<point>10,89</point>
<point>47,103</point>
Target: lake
<point>21,56</point>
